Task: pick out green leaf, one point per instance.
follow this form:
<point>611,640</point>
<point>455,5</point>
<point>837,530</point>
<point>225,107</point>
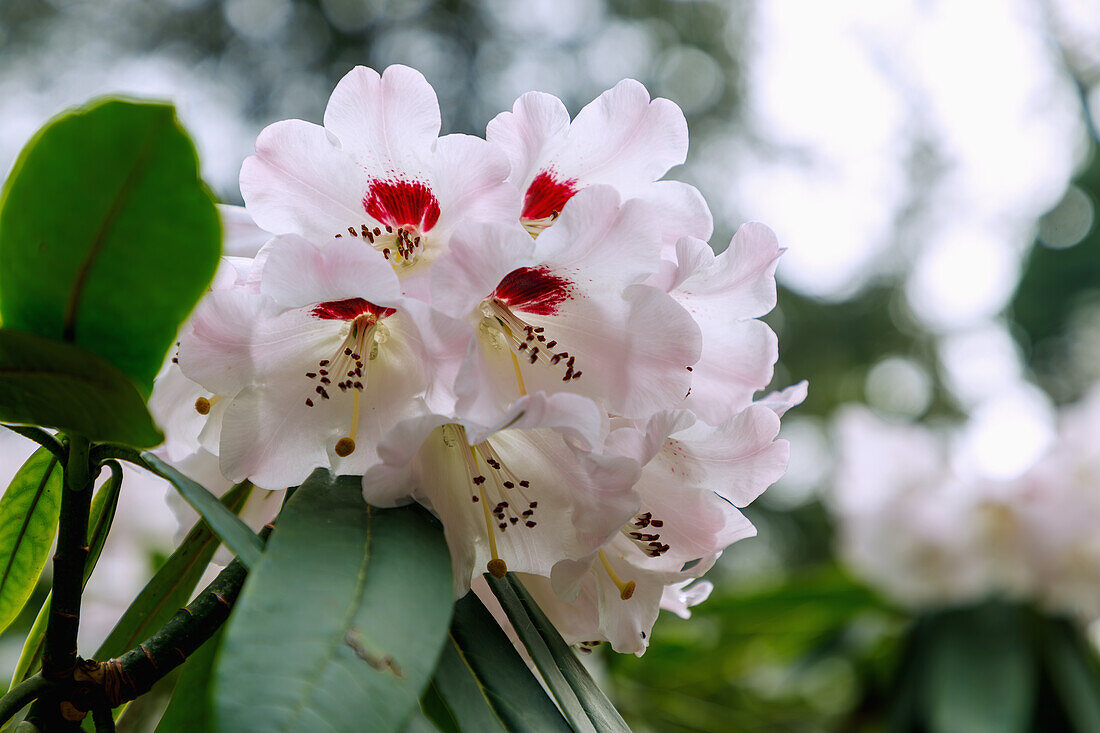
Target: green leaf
<point>173,584</point>
<point>482,684</point>
<point>1071,664</point>
<point>189,710</point>
<point>340,623</point>
<point>980,674</point>
<point>108,237</point>
<point>28,523</point>
<point>224,523</point>
<point>580,698</point>
<point>101,514</point>
<point>58,385</point>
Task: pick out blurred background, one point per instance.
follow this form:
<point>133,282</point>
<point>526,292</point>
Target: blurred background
<point>931,166</point>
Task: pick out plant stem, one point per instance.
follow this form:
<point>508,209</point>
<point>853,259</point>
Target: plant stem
<point>59,658</point>
<point>20,695</point>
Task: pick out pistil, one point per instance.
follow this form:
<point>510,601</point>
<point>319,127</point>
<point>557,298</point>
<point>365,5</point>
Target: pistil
<point>626,588</point>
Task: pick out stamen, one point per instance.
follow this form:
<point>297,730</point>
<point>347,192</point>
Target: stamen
<point>626,589</point>
<point>203,404</point>
<point>495,566</point>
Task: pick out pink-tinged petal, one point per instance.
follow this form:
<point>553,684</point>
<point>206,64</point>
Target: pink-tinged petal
<point>300,183</point>
<point>469,179</point>
<point>643,443</point>
<point>216,349</point>
<point>241,236</point>
<point>741,279</point>
<point>737,360</point>
<point>299,273</point>
<point>783,400</point>
<point>278,430</point>
<point>443,343</point>
<point>381,120</point>
<point>736,460</point>
<point>603,239</point>
<point>679,210</point>
<point>624,139</point>
<point>480,256</point>
<point>172,404</point>
<point>680,597</point>
<point>570,414</point>
<point>664,342</point>
<point>530,135</point>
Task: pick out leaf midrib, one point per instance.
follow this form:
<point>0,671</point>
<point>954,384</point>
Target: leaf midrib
<point>126,190</point>
<point>26,522</point>
<point>330,654</point>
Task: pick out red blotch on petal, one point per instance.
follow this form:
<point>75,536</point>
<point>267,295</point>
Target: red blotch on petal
<point>348,310</point>
<point>533,290</point>
<point>402,203</point>
<point>547,196</point>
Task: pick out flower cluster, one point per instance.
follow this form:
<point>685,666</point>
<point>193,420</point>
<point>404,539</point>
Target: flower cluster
<point>926,534</point>
<point>527,334</point>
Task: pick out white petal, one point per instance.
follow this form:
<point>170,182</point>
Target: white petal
<point>736,460</point>
<point>479,258</point>
<point>469,178</point>
<point>216,351</point>
<point>571,414</point>
<point>601,237</point>
<point>742,278</point>
<point>298,273</point>
<point>679,210</point>
<point>737,360</point>
<point>623,139</point>
<point>530,134</point>
<point>241,236</point>
<point>680,597</point>
<point>383,119</point>
<point>299,182</point>
<point>783,400</point>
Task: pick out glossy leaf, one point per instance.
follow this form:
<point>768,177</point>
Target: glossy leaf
<point>339,625</point>
<point>58,385</point>
<point>189,710</point>
<point>28,523</point>
<point>100,516</point>
<point>980,674</point>
<point>223,522</point>
<point>107,234</point>
<point>482,684</point>
<point>173,584</point>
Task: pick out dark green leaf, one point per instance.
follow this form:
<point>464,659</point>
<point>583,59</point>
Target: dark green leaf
<point>224,523</point>
<point>544,659</point>
<point>172,585</point>
<point>101,514</point>
<point>189,710</point>
<point>481,682</point>
<point>1071,663</point>
<point>979,671</point>
<point>107,235</point>
<point>340,623</point>
<point>58,385</point>
<point>28,523</point>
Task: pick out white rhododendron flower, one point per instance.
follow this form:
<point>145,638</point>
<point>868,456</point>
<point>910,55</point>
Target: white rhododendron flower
<point>327,355</point>
<point>926,535</point>
<point>377,172</point>
<point>528,335</point>
<point>622,138</point>
<point>565,312</point>
<point>518,495</point>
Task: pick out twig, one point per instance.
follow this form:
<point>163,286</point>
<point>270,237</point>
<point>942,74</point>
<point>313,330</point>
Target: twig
<point>22,694</point>
<point>40,436</point>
